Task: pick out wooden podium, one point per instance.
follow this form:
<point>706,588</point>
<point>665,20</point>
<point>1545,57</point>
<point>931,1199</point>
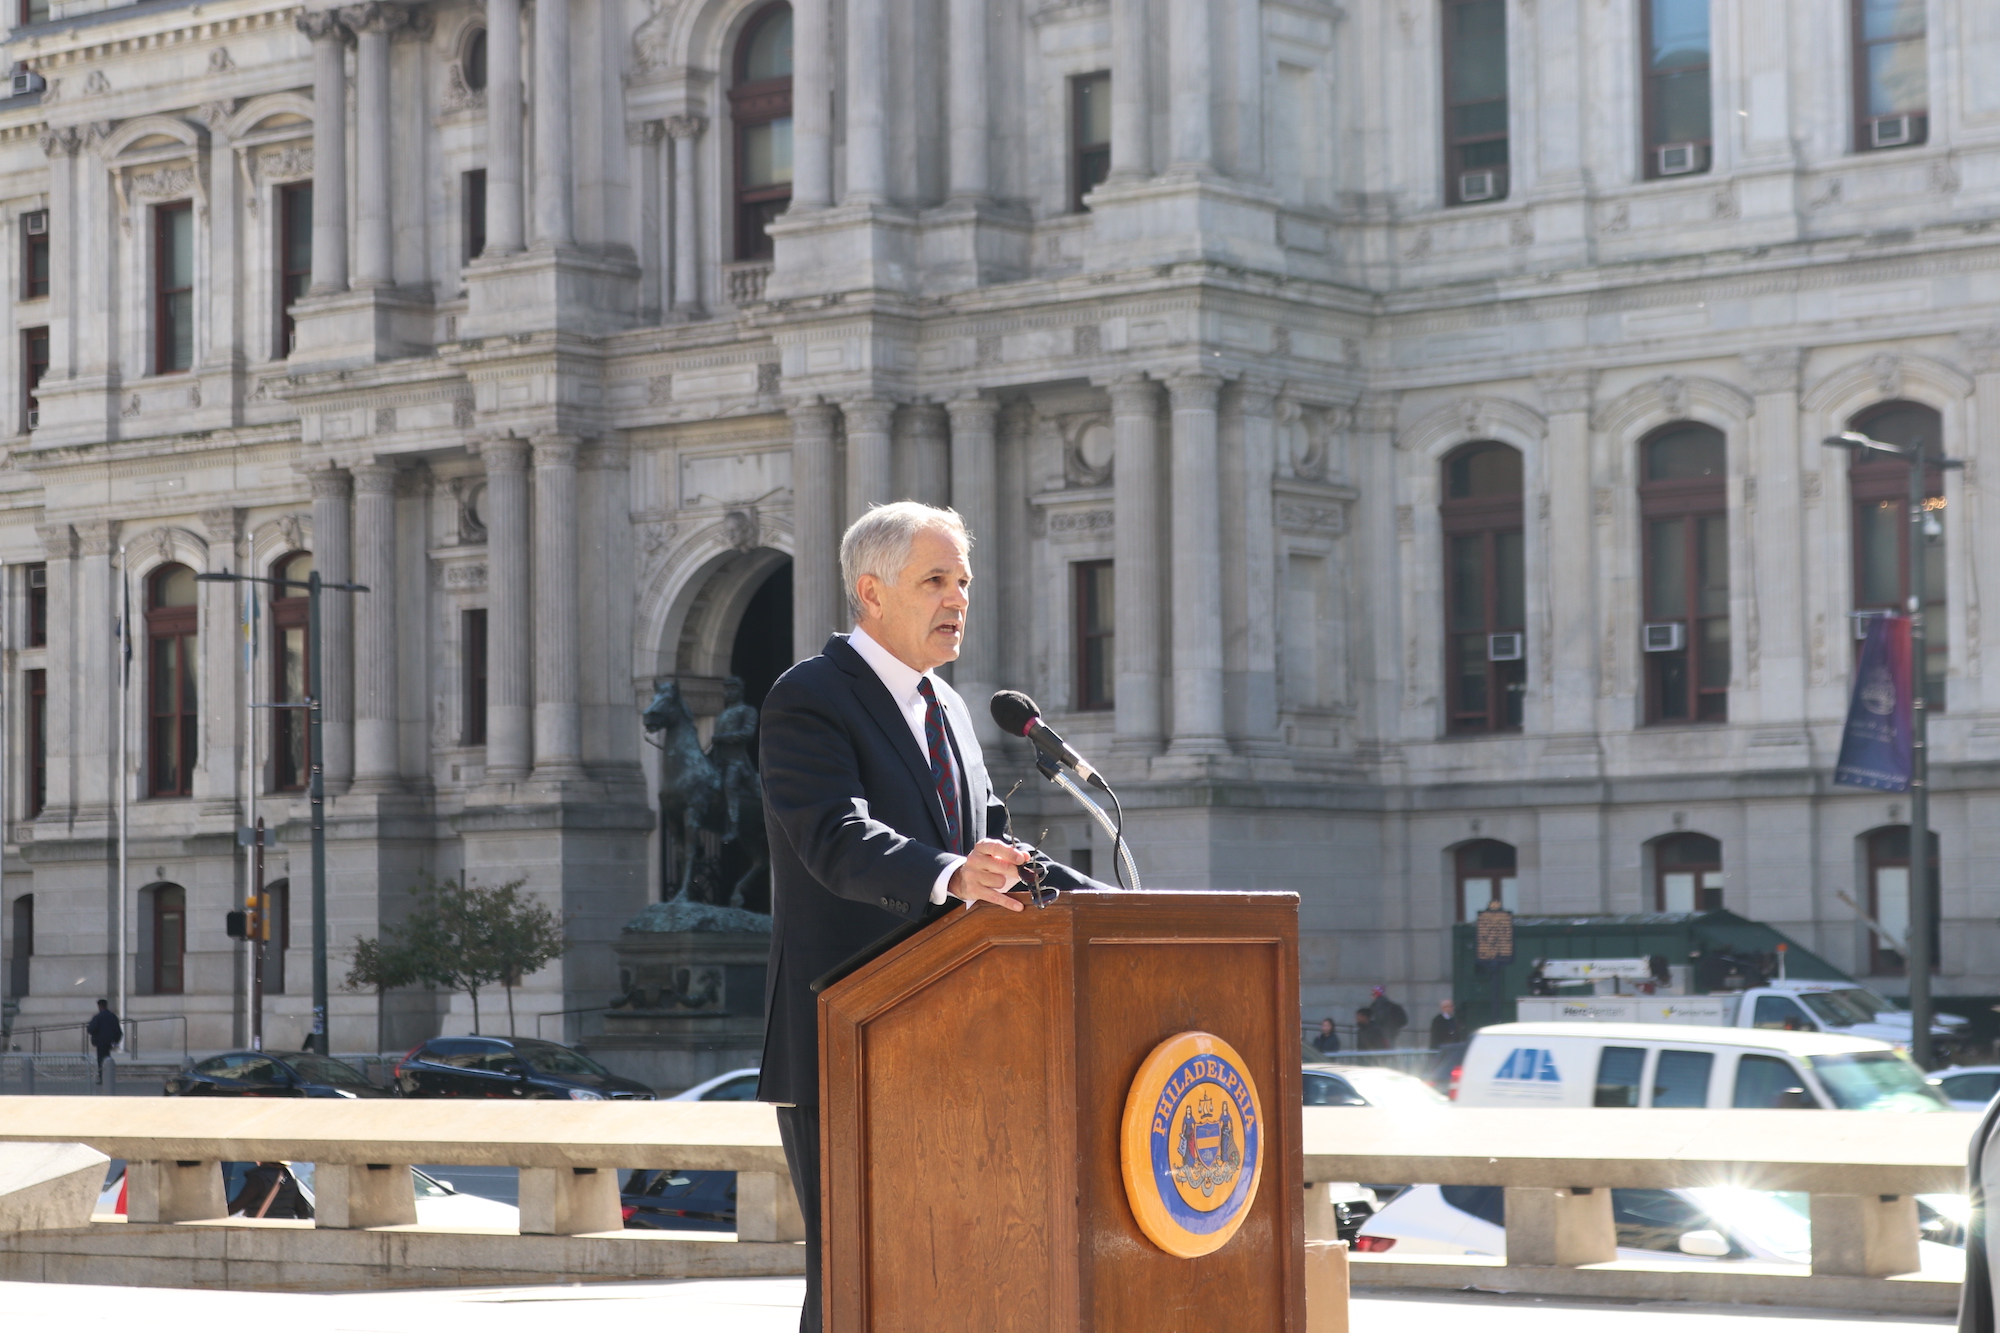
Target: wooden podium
<point>973,1084</point>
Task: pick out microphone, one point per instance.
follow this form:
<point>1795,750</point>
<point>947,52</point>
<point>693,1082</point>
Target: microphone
<point>1018,715</point>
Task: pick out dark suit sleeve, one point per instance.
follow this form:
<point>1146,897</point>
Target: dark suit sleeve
<point>814,789</point>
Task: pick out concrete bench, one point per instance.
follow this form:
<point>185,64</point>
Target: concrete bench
<point>1559,1167</point>
<point>568,1153</point>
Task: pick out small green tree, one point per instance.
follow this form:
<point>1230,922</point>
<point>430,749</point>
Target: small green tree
<point>381,966</point>
<point>523,936</point>
<point>450,938</point>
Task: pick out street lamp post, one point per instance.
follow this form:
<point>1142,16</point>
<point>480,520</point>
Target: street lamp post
<point>1923,904</point>
<point>316,791</point>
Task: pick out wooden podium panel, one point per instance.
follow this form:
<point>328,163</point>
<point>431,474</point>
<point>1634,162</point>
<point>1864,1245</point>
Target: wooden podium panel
<point>973,1084</point>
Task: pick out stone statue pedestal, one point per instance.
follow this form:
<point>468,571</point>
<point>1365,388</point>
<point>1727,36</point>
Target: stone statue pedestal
<point>691,977</point>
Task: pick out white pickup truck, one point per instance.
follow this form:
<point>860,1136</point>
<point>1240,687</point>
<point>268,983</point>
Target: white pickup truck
<point>1841,1008</point>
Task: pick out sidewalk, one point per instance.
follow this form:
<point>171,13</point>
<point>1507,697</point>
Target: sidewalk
<point>770,1305</point>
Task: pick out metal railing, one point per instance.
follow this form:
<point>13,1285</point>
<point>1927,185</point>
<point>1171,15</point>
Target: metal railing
<point>130,1045</point>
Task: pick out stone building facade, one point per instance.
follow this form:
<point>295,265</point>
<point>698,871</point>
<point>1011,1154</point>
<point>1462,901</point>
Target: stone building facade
<point>1390,429</point>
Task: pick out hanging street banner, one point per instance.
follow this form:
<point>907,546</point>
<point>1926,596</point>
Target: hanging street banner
<point>1875,747</point>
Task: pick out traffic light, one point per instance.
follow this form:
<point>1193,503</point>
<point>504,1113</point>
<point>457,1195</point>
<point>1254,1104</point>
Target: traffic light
<point>238,925</point>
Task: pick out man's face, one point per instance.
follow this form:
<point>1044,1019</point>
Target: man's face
<point>1446,1007</point>
<point>732,693</point>
<point>920,618</point>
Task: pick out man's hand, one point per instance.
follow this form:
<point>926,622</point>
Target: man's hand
<point>988,873</point>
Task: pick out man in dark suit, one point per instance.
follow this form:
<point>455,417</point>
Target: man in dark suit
<point>879,804</point>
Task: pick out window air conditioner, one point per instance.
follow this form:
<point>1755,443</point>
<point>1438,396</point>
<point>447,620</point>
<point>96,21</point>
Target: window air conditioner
<point>24,82</point>
<point>1667,636</point>
<point>1889,131</point>
<point>1677,159</point>
<point>1473,186</point>
<point>38,223</point>
<point>1503,647</point>
<point>38,577</point>
<point>34,417</point>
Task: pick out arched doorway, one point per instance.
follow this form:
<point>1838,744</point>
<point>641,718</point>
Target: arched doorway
<point>762,648</point>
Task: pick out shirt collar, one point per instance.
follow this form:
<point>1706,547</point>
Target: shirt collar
<point>894,672</point>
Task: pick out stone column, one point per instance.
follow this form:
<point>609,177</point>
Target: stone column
<point>818,606</point>
<point>685,131</point>
<point>927,466</point>
<point>1256,405</point>
<point>374,262</point>
<point>60,146</point>
<point>975,495</point>
<point>59,707</point>
<point>505,233</point>
<point>333,558</point>
<point>1197,569</point>
<point>1565,488</point>
<point>1135,418</point>
<point>867,77</point>
<point>220,776</point>
<point>558,706</point>
<point>1131,106</point>
<point>555,212</point>
<point>812,108</point>
<point>94,713</point>
<point>970,178</point>
<point>507,691</point>
<point>870,475</point>
<point>1192,63</point>
<point>375,645</point>
<point>1775,657</point>
<point>329,43</point>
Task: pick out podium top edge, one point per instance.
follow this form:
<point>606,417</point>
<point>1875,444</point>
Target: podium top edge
<point>1110,895</point>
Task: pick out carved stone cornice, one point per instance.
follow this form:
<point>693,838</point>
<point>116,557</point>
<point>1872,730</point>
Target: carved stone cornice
<point>322,25</point>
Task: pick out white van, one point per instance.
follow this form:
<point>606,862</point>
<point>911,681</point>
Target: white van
<point>1650,1064</point>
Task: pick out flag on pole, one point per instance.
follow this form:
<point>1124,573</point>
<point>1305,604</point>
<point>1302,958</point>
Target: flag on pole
<point>1875,748</point>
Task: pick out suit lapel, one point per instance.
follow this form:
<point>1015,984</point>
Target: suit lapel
<point>881,706</point>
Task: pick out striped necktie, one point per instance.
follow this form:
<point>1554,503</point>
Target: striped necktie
<point>944,765</point>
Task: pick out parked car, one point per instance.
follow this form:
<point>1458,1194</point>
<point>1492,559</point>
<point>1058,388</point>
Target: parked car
<point>270,1074</point>
<point>1365,1085</point>
<point>1969,1088</point>
<point>689,1200</point>
<point>438,1203</point>
<point>499,1067</point>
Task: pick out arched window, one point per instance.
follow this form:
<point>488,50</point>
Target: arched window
<point>1889,898</point>
<point>171,666</point>
<point>1879,485</point>
<point>168,919</point>
<point>472,61</point>
<point>291,739</point>
<point>1683,502</point>
<point>21,939</point>
<point>1486,606</point>
<point>1687,873</point>
<point>760,104</point>
<point>1485,874</point>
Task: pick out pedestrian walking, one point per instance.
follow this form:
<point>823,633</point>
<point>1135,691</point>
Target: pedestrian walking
<point>1388,1017</point>
<point>105,1032</point>
<point>1328,1040</point>
<point>1367,1036</point>
<point>1444,1028</point>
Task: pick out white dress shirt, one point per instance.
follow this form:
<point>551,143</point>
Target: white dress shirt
<point>902,682</point>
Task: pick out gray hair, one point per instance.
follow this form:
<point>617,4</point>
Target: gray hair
<point>879,542</point>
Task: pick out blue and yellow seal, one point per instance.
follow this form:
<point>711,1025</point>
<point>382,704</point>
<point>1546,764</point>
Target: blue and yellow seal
<point>1193,1144</point>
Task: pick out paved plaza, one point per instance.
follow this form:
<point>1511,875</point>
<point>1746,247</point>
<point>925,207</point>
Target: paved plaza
<point>770,1305</point>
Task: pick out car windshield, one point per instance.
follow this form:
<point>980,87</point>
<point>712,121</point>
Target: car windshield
<point>552,1059</point>
<point>1840,1008</point>
<point>321,1069</point>
<point>1876,1081</point>
<point>1769,1219</point>
<point>427,1188</point>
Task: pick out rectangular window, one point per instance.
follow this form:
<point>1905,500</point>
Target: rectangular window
<point>173,288</point>
<point>1089,136</point>
<point>34,254</point>
<point>1488,616</point>
<point>38,606</point>
<point>472,195</point>
<point>31,11</point>
<point>1095,635</point>
<point>1687,582</point>
<point>295,257</point>
<point>1678,135</point>
<point>1892,86</point>
<point>171,702</point>
<point>34,365</point>
<point>473,653</point>
<point>1475,101</point>
<point>38,742</point>
<point>291,735</point>
<point>1619,1073</point>
<point>1680,1078</point>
